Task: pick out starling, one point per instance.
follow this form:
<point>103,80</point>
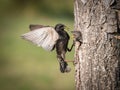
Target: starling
<point>77,36</point>
<point>50,38</point>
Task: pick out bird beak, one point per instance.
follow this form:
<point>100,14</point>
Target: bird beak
<point>66,28</point>
<point>73,36</point>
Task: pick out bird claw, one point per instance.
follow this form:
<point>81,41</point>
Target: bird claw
<point>75,62</point>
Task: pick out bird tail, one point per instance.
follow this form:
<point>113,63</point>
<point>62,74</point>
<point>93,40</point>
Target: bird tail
<point>64,66</point>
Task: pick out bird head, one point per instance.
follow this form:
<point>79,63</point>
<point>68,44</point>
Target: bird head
<point>77,36</point>
<point>60,27</point>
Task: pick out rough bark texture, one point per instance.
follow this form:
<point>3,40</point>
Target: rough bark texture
<point>98,58</point>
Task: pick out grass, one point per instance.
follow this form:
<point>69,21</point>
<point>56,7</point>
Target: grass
<point>23,66</point>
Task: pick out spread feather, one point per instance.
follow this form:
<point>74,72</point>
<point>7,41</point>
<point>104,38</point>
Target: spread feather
<point>45,37</point>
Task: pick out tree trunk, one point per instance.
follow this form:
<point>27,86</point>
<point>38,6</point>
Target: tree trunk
<point>97,60</point>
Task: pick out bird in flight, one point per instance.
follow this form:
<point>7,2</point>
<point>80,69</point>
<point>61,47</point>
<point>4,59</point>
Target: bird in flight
<point>50,38</point>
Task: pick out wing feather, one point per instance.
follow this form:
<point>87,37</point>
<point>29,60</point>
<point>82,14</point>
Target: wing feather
<point>34,27</point>
<point>45,37</point>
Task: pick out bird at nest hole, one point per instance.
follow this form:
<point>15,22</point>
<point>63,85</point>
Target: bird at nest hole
<point>50,38</point>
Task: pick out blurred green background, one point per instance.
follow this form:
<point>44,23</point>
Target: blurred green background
<point>23,66</point>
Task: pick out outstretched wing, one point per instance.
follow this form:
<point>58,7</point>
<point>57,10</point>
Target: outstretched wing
<point>45,37</point>
<point>34,27</point>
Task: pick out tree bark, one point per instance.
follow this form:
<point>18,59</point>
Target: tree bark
<point>97,60</point>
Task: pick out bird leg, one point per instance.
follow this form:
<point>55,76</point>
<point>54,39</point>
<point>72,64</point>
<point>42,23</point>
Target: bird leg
<point>69,50</point>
